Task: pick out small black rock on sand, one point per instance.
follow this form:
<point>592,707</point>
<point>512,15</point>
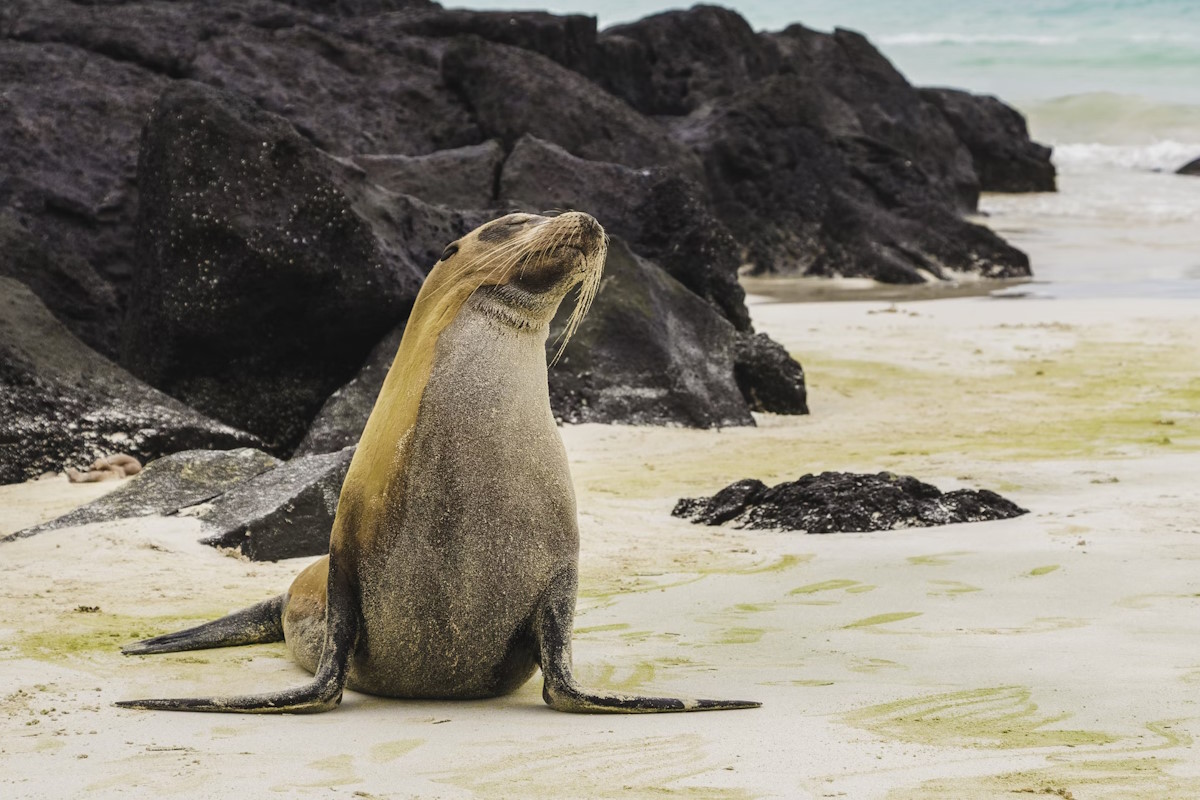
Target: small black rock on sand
<point>839,502</point>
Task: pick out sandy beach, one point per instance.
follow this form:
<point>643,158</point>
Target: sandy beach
<point>1051,654</point>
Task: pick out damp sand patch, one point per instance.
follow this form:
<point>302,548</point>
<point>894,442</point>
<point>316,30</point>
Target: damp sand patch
<point>1000,718</point>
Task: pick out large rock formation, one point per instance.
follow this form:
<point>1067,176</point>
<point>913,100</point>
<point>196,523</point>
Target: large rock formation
<point>650,352</point>
<point>285,512</point>
<point>247,500</point>
<point>65,282</point>
<point>820,157</point>
<point>663,216</point>
<point>69,125</point>
<point>507,90</point>
<point>81,78</point>
<point>1005,158</point>
<point>165,486</point>
<point>366,77</point>
<point>64,405</point>
<point>260,289</point>
<point>393,126</point>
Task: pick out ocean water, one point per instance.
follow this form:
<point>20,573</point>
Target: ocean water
<point>1112,85</point>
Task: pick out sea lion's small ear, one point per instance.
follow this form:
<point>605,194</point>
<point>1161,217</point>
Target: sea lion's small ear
<point>449,252</point>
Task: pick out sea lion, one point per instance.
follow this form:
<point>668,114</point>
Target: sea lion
<point>453,560</point>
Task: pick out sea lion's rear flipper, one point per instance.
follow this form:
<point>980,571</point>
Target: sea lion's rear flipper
<point>553,623</point>
<point>262,622</point>
<point>323,693</point>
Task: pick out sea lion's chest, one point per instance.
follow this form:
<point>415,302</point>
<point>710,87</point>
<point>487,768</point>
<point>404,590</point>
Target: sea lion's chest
<point>487,511</point>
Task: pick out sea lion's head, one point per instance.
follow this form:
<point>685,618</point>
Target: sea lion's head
<point>523,265</point>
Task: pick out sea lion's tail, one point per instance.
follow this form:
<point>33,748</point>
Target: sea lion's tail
<point>260,623</point>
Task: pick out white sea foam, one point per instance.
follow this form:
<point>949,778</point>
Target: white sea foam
<point>918,39</point>
<point>1166,156</point>
<point>922,38</point>
<point>1108,197</point>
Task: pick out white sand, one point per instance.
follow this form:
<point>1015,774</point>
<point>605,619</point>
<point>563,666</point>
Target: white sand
<point>1052,654</point>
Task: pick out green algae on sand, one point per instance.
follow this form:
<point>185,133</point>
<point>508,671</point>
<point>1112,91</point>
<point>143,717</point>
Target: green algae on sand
<point>74,634</point>
<point>883,619</point>
<point>1003,717</point>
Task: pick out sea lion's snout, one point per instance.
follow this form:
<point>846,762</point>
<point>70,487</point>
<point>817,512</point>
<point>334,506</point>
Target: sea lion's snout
<point>563,251</point>
<point>525,265</point>
<point>588,232</point>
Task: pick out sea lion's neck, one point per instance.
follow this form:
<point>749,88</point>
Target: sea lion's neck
<point>485,365</point>
<point>514,308</point>
<point>491,344</point>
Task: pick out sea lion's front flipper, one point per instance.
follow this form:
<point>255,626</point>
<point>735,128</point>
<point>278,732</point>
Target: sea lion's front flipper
<point>553,623</point>
<point>323,693</point>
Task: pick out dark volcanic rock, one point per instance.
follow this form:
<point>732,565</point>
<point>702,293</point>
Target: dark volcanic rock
<point>407,229</point>
<point>852,206</point>
<point>1190,168</point>
<point>650,352</point>
<point>707,55</point>
<point>1005,158</point>
<point>67,284</point>
<point>345,96</point>
<point>246,500</point>
<point>568,39</point>
<point>165,486</point>
<point>705,145</point>
<point>80,79</point>
<point>680,232</point>
<point>341,420</point>
<point>835,502</point>
<point>873,187</point>
<point>541,176</point>
<point>770,379</point>
<point>663,216</point>
<point>69,125</point>
<point>819,156</point>
<point>461,178</point>
<point>687,58</point>
<point>283,513</point>
<point>355,8</point>
<point>62,404</point>
<point>871,105</point>
<point>259,288</point>
<point>507,89</point>
<point>722,506</point>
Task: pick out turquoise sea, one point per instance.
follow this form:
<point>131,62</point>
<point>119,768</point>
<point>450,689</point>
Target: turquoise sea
<point>1112,85</point>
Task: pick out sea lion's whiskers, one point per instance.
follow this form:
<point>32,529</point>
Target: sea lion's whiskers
<point>512,252</point>
<point>547,251</point>
<point>588,288</point>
